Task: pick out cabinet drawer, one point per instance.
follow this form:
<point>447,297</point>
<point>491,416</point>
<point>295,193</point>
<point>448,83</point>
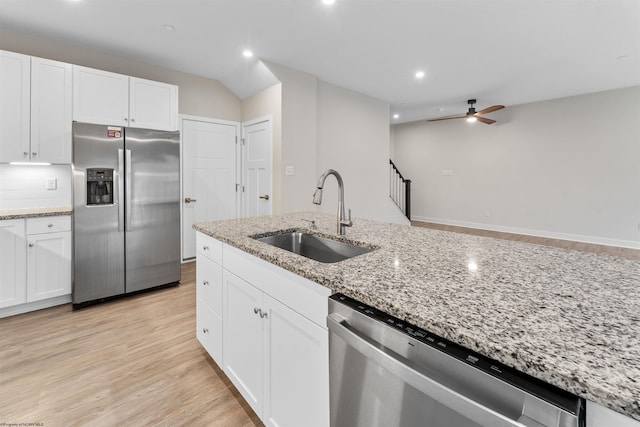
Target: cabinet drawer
<point>209,283</point>
<point>48,224</point>
<point>209,247</point>
<point>209,330</point>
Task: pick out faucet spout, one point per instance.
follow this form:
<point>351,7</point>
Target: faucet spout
<point>317,199</point>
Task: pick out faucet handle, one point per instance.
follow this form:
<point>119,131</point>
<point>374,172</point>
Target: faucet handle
<point>313,223</point>
<point>347,223</point>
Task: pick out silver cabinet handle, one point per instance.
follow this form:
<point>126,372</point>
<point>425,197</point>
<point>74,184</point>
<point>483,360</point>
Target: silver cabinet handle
<point>205,330</point>
<point>25,153</point>
<point>189,200</point>
<point>31,245</point>
<point>126,119</point>
<point>34,154</point>
<point>50,225</point>
<point>205,248</point>
<point>256,310</point>
<point>205,283</point>
<point>265,197</point>
<point>377,354</point>
<point>263,314</point>
<point>133,120</point>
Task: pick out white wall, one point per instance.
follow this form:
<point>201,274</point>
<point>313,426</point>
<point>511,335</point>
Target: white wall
<point>23,187</point>
<point>328,127</point>
<point>566,168</point>
<point>298,144</point>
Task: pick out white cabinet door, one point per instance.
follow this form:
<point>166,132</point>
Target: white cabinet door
<point>51,86</point>
<point>242,337</point>
<point>153,105</point>
<point>15,88</point>
<point>296,369</point>
<point>100,97</point>
<point>48,265</point>
<point>13,263</point>
<point>600,416</point>
<point>209,330</point>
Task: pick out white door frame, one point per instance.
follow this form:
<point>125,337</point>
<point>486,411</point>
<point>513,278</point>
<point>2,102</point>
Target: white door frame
<point>268,119</point>
<point>181,118</point>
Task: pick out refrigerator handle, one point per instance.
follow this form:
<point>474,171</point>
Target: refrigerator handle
<point>119,199</point>
<point>127,192</point>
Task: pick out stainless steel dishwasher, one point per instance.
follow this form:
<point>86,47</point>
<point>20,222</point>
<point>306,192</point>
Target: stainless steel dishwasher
<point>385,372</point>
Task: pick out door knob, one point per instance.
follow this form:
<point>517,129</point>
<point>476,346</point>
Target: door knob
<point>189,200</point>
<point>265,197</point>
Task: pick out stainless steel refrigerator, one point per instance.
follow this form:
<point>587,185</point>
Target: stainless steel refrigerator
<point>126,210</point>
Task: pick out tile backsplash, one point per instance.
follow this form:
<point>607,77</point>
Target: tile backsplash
<point>23,187</point>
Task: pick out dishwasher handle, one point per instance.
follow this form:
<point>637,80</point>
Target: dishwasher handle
<point>378,354</point>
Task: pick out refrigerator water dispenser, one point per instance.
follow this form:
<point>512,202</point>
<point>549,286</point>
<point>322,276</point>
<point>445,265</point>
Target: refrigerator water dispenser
<point>99,186</point>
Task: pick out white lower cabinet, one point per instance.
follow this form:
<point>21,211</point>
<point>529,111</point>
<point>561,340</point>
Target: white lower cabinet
<point>35,264</point>
<point>600,416</point>
<point>275,345</point>
<point>13,263</point>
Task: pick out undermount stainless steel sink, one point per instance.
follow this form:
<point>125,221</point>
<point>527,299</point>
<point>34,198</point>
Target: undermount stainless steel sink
<point>314,247</point>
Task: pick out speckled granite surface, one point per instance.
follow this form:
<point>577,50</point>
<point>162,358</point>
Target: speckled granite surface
<point>569,318</point>
<point>34,212</point>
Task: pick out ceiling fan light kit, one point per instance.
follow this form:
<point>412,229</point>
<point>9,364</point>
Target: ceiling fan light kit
<point>472,115</point>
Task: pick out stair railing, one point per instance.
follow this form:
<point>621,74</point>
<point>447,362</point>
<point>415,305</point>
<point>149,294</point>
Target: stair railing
<point>400,190</point>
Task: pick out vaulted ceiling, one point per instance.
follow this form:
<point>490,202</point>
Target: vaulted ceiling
<point>497,51</point>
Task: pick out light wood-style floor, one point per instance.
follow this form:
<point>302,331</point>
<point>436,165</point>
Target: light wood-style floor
<point>577,246</point>
<point>130,362</point>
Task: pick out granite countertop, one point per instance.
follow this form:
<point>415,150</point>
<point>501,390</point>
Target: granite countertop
<point>569,318</point>
<point>34,212</point>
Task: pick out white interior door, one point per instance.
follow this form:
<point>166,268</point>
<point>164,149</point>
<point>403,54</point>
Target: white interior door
<point>256,162</point>
<point>209,175</point>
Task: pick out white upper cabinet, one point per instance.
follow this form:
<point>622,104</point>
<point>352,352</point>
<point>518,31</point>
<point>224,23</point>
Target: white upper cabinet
<point>51,86</point>
<point>35,109</point>
<point>115,99</point>
<point>100,97</point>
<point>153,105</point>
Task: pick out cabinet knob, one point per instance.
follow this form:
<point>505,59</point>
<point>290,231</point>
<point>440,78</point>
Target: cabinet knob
<point>30,245</point>
<point>263,315</point>
<point>50,225</point>
<point>26,153</point>
<point>205,248</point>
<point>205,282</point>
<point>34,154</point>
<point>256,310</point>
<point>126,120</point>
<point>205,330</point>
<point>133,120</point>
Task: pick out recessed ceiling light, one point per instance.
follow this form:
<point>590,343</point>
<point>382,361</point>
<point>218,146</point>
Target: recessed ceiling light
<point>396,116</point>
<point>169,27</point>
<point>328,2</point>
<point>419,74</point>
<point>247,53</point>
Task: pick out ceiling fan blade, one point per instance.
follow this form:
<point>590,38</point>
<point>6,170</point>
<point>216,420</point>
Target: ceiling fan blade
<point>491,109</point>
<point>485,120</point>
<point>447,118</point>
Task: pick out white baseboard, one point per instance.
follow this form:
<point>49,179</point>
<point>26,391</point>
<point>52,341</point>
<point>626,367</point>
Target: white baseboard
<point>33,306</point>
<point>537,233</point>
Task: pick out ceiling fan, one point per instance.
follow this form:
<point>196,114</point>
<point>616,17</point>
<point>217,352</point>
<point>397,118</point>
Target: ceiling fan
<point>473,115</point>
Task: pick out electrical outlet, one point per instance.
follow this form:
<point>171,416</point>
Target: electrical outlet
<point>289,170</point>
<point>52,183</point>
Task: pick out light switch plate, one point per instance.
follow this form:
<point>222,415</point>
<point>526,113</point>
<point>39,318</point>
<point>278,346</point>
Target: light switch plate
<point>52,183</point>
<point>289,170</point>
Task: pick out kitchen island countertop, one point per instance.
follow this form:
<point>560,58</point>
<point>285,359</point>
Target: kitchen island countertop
<point>34,212</point>
<point>569,318</point>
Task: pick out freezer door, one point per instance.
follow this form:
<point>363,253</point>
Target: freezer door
<point>98,228</point>
<point>152,208</point>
